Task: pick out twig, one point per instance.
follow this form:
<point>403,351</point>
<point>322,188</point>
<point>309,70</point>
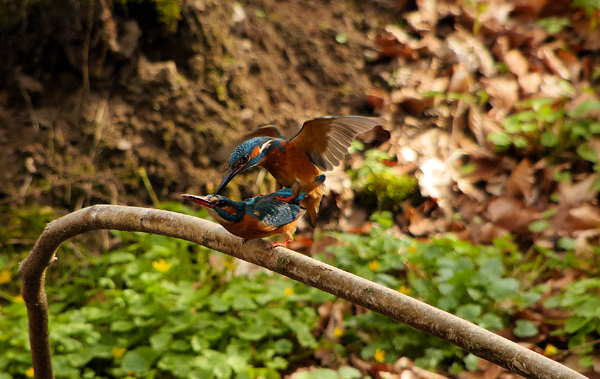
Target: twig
<point>85,66</point>
<point>304,269</point>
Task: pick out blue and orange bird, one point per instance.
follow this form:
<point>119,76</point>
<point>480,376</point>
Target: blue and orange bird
<point>259,217</point>
<point>319,146</point>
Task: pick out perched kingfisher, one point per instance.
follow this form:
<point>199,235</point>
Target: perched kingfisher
<point>319,146</point>
<point>259,217</point>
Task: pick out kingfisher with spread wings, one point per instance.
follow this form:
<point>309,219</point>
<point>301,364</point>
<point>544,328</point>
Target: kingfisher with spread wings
<point>319,146</point>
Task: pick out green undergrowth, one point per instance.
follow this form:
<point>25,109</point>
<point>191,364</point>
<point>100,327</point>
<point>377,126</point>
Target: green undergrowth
<point>544,126</point>
<point>378,186</point>
<point>158,307</point>
<point>468,281</point>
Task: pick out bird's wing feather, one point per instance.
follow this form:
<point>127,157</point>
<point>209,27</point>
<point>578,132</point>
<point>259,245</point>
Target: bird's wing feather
<point>275,213</point>
<point>326,139</point>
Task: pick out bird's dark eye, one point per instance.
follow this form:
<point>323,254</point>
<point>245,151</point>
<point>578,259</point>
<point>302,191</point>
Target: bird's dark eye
<point>246,157</point>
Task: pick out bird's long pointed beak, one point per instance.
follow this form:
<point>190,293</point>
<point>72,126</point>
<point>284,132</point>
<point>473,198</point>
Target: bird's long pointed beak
<point>202,200</point>
<point>228,176</point>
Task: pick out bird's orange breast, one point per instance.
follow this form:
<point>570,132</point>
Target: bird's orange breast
<point>290,164</point>
<point>249,228</point>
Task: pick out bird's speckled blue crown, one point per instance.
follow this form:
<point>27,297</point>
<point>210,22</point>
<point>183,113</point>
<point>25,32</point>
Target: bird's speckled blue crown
<point>246,147</point>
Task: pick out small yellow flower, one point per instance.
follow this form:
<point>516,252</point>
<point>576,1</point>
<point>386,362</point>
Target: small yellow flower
<point>288,292</point>
<point>404,289</point>
<point>374,265</point>
<point>29,372</point>
<point>118,351</point>
<point>161,265</point>
<point>5,276</point>
<point>18,299</point>
<point>412,249</point>
<point>379,355</point>
<point>550,350</point>
<point>338,332</point>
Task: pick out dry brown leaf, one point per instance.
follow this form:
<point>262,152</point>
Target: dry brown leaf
<point>420,225</point>
<point>511,214</point>
<point>471,52</point>
<point>411,100</point>
<point>377,99</point>
<point>530,82</point>
<point>427,374</point>
<point>573,193</point>
<point>430,43</point>
<point>553,62</point>
<point>485,168</point>
<point>402,37</point>
<point>461,81</point>
<point>584,217</point>
<point>552,86</point>
<point>417,21</point>
<point>572,62</point>
<point>428,8</point>
<point>516,62</point>
<point>493,18</point>
<point>482,126</point>
<point>490,231</point>
<point>504,93</point>
<point>529,8</point>
<point>592,42</point>
<point>501,47</point>
<point>520,182</point>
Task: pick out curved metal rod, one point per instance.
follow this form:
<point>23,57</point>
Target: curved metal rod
<point>304,269</point>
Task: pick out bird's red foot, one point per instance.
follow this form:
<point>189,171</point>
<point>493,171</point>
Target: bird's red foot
<point>284,244</point>
<point>286,199</point>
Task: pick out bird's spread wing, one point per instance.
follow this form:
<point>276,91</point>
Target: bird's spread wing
<point>274,214</point>
<point>326,139</point>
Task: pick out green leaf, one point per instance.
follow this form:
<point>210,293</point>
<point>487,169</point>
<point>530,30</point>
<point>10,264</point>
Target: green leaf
<point>341,38</point>
<point>562,176</point>
<point>567,243</point>
<point>469,312</point>
<point>587,153</point>
<point>471,362</point>
<point>283,346</point>
<point>160,341</point>
<point>347,372</point>
<point>585,107</point>
<point>122,326</point>
<point>520,142</point>
<point>553,25</point>
<point>305,375</point>
<point>120,257</point>
<point>277,363</point>
<point>499,139</point>
<point>326,373</point>
<point>549,139</point>
<point>243,302</point>
<point>491,322</point>
<point>538,226</point>
<point>138,360</point>
<point>503,289</point>
<point>179,345</point>
<point>199,343</point>
<point>575,323</point>
<point>180,365</point>
<point>587,361</point>
<point>525,328</point>
<point>254,333</point>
